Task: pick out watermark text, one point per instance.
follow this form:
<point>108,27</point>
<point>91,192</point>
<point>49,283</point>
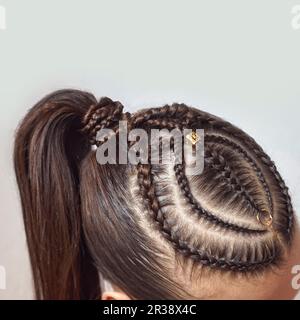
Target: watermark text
<point>2,18</point>
<point>295,22</point>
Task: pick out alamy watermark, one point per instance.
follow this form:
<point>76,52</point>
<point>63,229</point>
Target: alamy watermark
<point>2,278</point>
<point>296,278</point>
<point>2,18</point>
<point>154,146</point>
<point>295,22</point>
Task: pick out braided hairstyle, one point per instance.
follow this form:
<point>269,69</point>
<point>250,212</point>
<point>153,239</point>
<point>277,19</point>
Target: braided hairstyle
<point>235,217</point>
<point>229,197</point>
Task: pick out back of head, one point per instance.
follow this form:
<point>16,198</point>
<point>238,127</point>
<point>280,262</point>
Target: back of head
<point>151,229</point>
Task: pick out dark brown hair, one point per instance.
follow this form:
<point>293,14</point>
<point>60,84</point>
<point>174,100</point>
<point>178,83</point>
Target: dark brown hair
<point>143,227</point>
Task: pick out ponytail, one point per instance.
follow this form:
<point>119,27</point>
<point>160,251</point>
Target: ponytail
<point>49,148</point>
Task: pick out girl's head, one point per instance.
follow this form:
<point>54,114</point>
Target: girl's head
<point>151,230</point>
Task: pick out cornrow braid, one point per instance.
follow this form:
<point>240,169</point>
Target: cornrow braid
<point>226,142</point>
<point>223,170</point>
<point>191,117</point>
<point>104,114</point>
<point>206,259</point>
<point>222,134</point>
<point>207,120</point>
<point>186,191</point>
<point>163,223</point>
<point>175,113</point>
<point>147,189</point>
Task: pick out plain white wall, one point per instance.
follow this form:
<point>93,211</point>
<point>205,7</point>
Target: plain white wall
<point>237,59</point>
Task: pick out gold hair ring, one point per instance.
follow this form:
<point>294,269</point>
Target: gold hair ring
<point>265,218</point>
<point>193,137</point>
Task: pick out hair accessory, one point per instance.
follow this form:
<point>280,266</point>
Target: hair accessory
<point>265,218</point>
<point>193,137</point>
